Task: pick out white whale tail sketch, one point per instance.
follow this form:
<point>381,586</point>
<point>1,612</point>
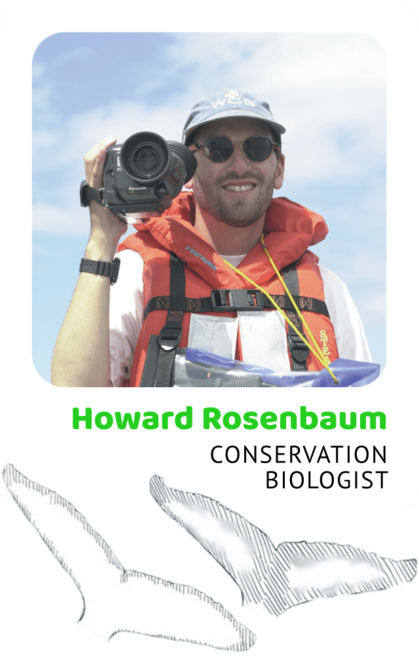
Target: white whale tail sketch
<point>278,578</point>
<point>116,599</point>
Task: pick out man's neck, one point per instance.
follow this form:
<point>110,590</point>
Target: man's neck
<point>226,239</point>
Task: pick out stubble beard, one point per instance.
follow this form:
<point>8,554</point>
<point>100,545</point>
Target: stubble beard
<point>236,213</point>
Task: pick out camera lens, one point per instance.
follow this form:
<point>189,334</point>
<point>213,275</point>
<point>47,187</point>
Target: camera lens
<point>144,156</point>
<point>148,160</point>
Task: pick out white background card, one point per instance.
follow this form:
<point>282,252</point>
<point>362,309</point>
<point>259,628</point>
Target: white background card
<point>105,473</point>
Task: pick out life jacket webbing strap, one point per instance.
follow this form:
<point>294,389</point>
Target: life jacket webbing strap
<point>170,335</point>
<point>205,305</point>
<point>298,350</point>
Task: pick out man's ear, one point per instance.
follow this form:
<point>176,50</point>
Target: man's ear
<point>189,185</point>
<point>279,179</point>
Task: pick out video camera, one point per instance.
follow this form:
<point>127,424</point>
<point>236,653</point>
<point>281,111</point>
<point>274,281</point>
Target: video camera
<point>142,176</point>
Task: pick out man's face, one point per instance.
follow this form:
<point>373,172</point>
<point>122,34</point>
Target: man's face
<point>238,191</point>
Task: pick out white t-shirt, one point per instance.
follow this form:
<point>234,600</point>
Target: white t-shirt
<point>126,316</point>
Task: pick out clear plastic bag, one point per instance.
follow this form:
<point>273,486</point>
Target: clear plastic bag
<point>196,368</point>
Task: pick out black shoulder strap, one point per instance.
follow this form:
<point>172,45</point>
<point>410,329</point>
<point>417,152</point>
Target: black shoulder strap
<point>170,335</point>
<point>159,363</point>
<point>298,350</point>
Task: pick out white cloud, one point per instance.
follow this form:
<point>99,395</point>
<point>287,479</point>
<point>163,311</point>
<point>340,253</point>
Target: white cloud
<point>64,220</point>
<point>343,76</point>
<point>50,219</point>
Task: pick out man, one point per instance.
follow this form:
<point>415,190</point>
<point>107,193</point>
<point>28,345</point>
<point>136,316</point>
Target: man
<point>223,215</point>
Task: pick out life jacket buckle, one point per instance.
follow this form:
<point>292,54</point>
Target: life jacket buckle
<point>298,349</point>
<point>169,338</point>
<point>235,300</point>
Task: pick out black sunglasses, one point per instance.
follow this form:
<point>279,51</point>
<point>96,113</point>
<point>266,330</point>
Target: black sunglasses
<point>219,149</point>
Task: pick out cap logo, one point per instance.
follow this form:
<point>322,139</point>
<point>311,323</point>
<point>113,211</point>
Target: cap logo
<point>233,100</point>
<point>231,92</point>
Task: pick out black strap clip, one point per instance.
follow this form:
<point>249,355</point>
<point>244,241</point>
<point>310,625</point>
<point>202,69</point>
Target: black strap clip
<point>169,337</point>
<point>298,349</point>
<point>235,300</point>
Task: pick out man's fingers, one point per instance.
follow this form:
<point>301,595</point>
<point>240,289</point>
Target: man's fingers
<point>97,170</point>
<point>105,143</point>
<point>94,160</point>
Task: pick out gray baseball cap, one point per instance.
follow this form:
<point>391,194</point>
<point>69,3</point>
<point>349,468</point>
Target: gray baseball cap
<point>229,103</point>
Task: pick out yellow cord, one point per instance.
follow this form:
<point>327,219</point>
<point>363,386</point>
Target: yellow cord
<point>281,279</point>
<point>318,355</point>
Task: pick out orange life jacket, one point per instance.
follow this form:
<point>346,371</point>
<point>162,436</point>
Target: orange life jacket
<point>289,231</point>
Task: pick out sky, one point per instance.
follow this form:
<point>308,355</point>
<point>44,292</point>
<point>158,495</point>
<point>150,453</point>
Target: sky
<point>328,90</point>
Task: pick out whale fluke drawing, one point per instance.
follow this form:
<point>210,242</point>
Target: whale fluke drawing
<point>116,599</point>
<point>277,578</point>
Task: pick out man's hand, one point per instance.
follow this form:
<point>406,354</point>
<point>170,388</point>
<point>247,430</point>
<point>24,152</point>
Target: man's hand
<point>106,228</point>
